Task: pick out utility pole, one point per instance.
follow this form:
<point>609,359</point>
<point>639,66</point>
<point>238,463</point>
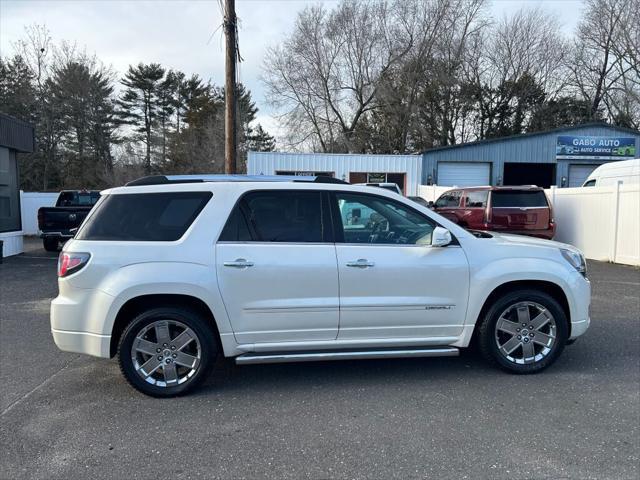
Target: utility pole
<point>230,30</point>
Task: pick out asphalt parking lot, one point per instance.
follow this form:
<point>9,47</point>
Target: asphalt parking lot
<point>69,416</point>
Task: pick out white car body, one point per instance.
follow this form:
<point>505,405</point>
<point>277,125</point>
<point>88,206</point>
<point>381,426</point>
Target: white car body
<point>626,172</point>
<point>302,296</point>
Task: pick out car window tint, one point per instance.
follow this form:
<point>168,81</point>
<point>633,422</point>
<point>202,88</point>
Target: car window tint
<point>518,198</point>
<point>590,183</point>
<point>449,199</point>
<point>144,216</point>
<point>285,216</point>
<point>236,228</point>
<point>78,199</point>
<point>476,199</point>
<point>379,220</point>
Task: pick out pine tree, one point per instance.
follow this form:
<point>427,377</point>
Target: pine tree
<point>139,103</point>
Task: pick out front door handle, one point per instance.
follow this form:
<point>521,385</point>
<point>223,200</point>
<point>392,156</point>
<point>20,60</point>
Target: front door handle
<point>361,263</point>
<point>239,263</point>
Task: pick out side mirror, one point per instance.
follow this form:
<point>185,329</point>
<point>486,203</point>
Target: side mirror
<point>430,204</point>
<point>441,237</point>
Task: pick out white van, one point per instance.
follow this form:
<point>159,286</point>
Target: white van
<point>626,172</point>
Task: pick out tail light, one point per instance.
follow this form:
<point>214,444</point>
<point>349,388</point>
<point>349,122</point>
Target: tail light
<point>71,262</point>
<point>40,218</point>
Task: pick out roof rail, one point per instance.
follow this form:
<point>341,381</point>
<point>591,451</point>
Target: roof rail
<point>172,179</point>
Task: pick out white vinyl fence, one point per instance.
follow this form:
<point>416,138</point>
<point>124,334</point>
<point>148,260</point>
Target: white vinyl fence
<point>603,222</point>
<point>431,192</point>
<point>30,202</point>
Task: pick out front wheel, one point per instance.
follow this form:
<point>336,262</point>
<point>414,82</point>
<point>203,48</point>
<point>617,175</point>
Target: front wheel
<point>166,352</point>
<point>524,331</point>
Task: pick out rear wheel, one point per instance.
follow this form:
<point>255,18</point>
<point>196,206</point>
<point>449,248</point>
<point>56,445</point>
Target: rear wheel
<point>166,352</point>
<point>50,244</point>
<point>524,331</point>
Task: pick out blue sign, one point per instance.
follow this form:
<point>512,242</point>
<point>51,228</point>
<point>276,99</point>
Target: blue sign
<point>594,147</point>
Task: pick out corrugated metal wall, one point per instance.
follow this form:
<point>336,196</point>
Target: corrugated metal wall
<point>268,163</point>
<point>16,134</point>
<point>540,148</point>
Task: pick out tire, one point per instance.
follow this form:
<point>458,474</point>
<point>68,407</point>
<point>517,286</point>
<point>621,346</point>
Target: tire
<point>178,367</point>
<point>539,347</point>
<point>50,244</point>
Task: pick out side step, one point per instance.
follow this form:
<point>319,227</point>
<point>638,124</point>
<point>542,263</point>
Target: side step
<point>252,358</point>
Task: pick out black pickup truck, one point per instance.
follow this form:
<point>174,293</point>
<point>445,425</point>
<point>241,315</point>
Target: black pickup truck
<point>58,224</point>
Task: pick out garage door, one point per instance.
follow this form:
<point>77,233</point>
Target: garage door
<point>579,173</point>
<point>463,174</point>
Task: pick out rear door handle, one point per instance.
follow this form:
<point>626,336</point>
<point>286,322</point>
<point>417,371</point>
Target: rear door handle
<point>239,263</point>
<point>361,263</point>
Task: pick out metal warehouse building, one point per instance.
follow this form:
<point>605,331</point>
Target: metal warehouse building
<point>404,170</point>
<point>564,157</point>
<point>15,137</point>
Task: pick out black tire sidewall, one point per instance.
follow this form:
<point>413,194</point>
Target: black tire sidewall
<point>201,327</point>
<point>50,245</point>
<point>487,342</point>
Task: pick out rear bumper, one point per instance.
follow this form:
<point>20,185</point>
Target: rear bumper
<point>64,235</point>
<point>82,342</point>
<point>77,320</point>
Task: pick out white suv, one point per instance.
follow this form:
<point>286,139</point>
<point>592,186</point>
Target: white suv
<point>167,273</point>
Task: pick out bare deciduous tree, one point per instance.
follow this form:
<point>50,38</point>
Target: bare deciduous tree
<point>605,58</point>
<point>327,73</point>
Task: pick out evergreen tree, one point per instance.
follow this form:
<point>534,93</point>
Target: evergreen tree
<point>139,104</point>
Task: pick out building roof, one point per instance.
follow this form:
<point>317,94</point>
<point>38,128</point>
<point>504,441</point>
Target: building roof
<point>533,134</point>
<point>16,134</point>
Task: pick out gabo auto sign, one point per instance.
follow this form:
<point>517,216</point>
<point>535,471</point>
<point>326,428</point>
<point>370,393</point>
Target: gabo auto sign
<point>590,147</point>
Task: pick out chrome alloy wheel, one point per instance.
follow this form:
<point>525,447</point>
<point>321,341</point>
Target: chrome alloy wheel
<point>525,333</point>
<point>166,353</point>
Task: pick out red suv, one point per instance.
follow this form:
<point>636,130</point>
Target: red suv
<point>521,210</point>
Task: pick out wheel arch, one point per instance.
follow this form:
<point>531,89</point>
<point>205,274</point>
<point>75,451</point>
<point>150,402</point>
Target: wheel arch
<point>552,289</point>
<point>139,304</point>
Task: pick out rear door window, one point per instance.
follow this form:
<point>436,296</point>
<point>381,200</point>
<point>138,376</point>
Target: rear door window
<point>154,217</point>
<point>277,216</point>
<point>518,199</point>
<point>476,199</point>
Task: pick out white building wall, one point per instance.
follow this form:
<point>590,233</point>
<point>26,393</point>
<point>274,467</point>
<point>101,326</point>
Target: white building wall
<point>269,163</point>
<point>11,243</point>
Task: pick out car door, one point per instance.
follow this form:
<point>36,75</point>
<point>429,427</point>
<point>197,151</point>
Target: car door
<point>474,210</point>
<point>393,283</point>
<point>448,205</point>
<point>276,268</point>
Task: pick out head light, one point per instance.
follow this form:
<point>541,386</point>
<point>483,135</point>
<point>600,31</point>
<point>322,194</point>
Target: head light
<point>576,259</point>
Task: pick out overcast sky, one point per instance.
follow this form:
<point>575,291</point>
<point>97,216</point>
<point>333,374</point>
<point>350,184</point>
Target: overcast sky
<point>184,34</point>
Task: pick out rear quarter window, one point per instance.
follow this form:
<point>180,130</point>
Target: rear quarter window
<point>155,217</point>
<point>518,198</point>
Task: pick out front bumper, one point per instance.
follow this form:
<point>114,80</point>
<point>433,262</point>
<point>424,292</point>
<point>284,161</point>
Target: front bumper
<point>82,342</point>
<point>579,304</point>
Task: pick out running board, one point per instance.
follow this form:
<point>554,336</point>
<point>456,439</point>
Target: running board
<point>252,358</point>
